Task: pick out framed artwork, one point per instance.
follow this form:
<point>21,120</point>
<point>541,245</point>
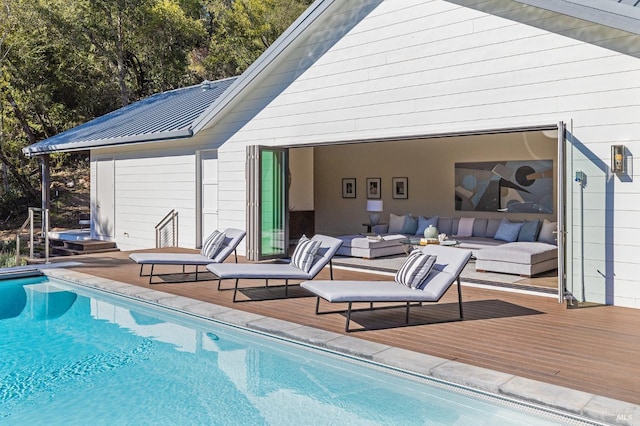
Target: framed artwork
<point>349,188</point>
<point>507,186</point>
<point>374,189</point>
<point>400,187</point>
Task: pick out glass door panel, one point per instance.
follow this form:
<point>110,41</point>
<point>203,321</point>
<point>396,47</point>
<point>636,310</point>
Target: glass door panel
<point>273,203</point>
<point>588,236</point>
<point>267,201</point>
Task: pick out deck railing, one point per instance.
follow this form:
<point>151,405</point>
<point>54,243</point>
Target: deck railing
<point>167,230</point>
<point>42,234</point>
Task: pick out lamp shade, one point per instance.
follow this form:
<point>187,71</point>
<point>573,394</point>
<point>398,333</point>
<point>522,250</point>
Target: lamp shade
<point>374,205</point>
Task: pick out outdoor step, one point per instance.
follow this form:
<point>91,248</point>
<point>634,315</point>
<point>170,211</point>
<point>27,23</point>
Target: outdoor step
<point>89,245</point>
<point>62,251</point>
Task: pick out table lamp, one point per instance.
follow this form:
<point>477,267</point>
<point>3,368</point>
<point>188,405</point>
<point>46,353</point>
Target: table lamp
<point>374,207</point>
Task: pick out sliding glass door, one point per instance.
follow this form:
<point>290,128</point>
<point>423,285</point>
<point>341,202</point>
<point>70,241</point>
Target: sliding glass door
<point>268,198</point>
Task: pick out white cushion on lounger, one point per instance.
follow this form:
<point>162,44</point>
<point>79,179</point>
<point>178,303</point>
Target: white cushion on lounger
<point>328,247</point>
<point>379,291</point>
<point>231,240</point>
<point>449,264</point>
<point>257,271</point>
<point>170,258</point>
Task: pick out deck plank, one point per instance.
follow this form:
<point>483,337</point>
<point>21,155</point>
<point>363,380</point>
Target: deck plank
<point>591,349</point>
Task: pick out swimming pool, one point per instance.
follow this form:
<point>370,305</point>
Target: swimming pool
<point>70,355</point>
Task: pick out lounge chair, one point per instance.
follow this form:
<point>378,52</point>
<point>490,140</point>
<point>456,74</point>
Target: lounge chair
<point>232,238</point>
<point>447,268</point>
<point>327,247</point>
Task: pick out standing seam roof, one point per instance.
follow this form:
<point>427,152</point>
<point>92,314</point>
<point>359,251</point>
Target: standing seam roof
<point>166,115</point>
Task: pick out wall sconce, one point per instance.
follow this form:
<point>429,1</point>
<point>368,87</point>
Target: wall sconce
<point>618,160</point>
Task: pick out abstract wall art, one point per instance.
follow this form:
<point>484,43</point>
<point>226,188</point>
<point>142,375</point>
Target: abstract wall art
<point>508,186</point>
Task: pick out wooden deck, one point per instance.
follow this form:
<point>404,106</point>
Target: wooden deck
<point>590,349</point>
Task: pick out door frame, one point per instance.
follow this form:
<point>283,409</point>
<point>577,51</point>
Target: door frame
<point>97,207</point>
<point>200,195</point>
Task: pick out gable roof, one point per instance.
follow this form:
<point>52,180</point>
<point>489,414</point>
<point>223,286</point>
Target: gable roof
<point>184,112</point>
<point>618,14</point>
<point>167,115</point>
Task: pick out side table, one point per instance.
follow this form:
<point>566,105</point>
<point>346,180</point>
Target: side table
<point>370,225</point>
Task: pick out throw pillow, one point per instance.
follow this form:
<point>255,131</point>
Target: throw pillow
<point>508,231</point>
<point>547,232</point>
<point>423,223</point>
<point>465,227</point>
<point>492,227</point>
<point>305,253</point>
<point>415,269</point>
<point>529,231</point>
<point>410,225</point>
<point>396,224</point>
<point>212,244</point>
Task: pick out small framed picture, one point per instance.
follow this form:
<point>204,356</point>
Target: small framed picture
<point>349,188</point>
<point>374,189</point>
<point>400,187</point>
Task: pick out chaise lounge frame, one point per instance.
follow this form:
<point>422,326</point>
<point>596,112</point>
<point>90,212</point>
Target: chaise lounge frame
<point>450,263</point>
<point>273,271</point>
<point>233,237</point>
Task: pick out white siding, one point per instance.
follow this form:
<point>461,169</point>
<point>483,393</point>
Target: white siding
<point>418,68</point>
<point>149,184</point>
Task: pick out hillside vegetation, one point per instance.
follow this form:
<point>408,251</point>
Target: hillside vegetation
<point>65,62</point>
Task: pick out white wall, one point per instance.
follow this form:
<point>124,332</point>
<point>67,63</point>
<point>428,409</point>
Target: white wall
<point>302,179</point>
<point>422,68</point>
<point>149,183</point>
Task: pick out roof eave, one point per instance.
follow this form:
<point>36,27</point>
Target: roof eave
<point>611,14</point>
<point>35,150</point>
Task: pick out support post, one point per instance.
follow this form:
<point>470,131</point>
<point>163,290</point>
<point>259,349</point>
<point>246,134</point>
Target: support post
<point>46,182</point>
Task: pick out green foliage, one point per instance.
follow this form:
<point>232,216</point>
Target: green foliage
<point>243,31</point>
<point>8,255</point>
<point>65,62</point>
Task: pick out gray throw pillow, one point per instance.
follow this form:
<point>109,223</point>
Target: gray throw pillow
<point>508,231</point>
<point>547,232</point>
<point>410,225</point>
<point>529,231</point>
<point>423,223</point>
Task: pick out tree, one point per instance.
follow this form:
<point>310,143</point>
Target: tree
<point>243,29</point>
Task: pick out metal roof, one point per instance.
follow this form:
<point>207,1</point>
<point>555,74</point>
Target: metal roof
<point>167,115</point>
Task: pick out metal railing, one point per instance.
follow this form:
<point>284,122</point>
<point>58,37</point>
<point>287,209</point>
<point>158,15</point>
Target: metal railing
<point>167,230</point>
<point>30,223</point>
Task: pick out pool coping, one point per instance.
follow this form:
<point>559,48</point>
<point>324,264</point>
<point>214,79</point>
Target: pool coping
<point>590,406</point>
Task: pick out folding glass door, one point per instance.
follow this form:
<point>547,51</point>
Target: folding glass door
<point>268,200</point>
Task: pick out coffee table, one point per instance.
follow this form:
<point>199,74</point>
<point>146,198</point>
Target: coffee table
<point>408,244</point>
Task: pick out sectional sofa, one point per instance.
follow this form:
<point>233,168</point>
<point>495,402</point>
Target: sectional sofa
<point>500,245</point>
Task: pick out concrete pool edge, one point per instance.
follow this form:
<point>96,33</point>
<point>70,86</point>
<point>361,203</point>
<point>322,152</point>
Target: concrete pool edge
<point>590,406</point>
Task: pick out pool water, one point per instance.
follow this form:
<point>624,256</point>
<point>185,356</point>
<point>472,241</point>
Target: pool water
<point>70,355</point>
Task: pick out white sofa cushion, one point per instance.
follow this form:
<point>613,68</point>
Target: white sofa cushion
<point>519,252</point>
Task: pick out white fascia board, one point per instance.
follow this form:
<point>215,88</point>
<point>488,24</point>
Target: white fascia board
<point>30,151</point>
<point>286,39</point>
<point>608,13</point>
